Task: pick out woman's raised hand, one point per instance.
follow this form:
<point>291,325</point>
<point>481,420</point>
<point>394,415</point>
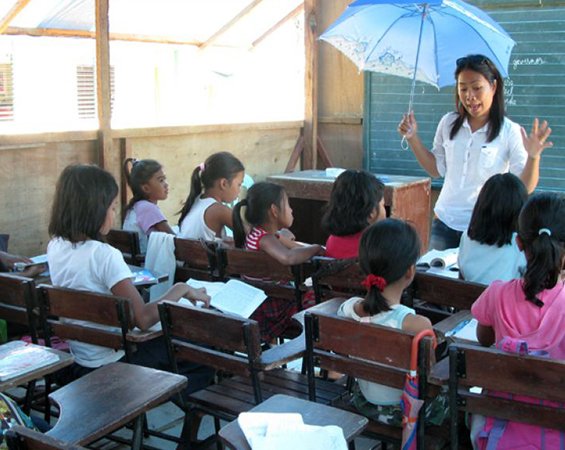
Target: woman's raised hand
<point>536,142</point>
<point>408,127</point>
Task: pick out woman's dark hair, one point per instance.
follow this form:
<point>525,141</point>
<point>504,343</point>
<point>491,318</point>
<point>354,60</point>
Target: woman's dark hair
<point>259,199</point>
<point>388,248</point>
<point>495,215</point>
<point>138,172</point>
<point>481,64</point>
<point>355,194</point>
<point>217,166</point>
<point>542,231</point>
<point>82,197</point>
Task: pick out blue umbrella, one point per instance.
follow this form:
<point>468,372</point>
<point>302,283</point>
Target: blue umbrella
<point>421,41</point>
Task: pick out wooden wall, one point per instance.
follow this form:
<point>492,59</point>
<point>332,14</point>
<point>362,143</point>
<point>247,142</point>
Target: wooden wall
<point>340,95</point>
<point>30,165</point>
<point>264,149</point>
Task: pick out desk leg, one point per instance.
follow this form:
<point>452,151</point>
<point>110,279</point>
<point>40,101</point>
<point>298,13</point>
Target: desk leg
<point>137,439</point>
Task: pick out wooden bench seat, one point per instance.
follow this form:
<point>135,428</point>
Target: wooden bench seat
<point>231,345</point>
<point>370,352</point>
<point>22,438</point>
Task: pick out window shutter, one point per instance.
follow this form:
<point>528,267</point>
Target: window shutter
<point>6,91</point>
<point>86,91</point>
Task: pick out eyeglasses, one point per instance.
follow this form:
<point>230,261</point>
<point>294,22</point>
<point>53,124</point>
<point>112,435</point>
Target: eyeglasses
<point>473,60</point>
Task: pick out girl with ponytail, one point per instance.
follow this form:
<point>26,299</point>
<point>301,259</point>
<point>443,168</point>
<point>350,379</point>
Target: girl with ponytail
<point>269,214</point>
<point>148,184</point>
<point>388,252</point>
<point>531,308</point>
<point>216,181</point>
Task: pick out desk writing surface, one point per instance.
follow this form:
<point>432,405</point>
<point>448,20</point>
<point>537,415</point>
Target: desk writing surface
<point>312,413</point>
<point>406,197</point>
<point>64,359</point>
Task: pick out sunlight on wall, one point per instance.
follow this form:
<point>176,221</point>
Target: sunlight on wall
<point>159,85</point>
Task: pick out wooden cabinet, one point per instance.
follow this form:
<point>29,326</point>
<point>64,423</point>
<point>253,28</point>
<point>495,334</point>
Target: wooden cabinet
<point>406,198</point>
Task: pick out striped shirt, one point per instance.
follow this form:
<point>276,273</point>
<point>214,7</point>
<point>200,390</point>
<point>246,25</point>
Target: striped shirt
<point>253,239</point>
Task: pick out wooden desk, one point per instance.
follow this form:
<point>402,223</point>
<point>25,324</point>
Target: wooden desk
<point>312,414</point>
<point>108,398</point>
<point>439,374</point>
<point>309,190</point>
<point>65,359</point>
<point>139,283</point>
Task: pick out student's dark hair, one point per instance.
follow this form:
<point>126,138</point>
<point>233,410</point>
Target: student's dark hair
<point>82,197</point>
<point>542,231</point>
<point>495,215</point>
<point>138,172</point>
<point>259,199</point>
<point>484,66</point>
<point>387,249</point>
<point>355,194</point>
<point>217,166</point>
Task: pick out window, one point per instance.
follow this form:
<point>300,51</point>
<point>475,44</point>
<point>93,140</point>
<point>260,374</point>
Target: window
<point>86,91</point>
<point>6,91</point>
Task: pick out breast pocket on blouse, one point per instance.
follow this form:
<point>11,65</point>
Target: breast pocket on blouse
<point>487,161</point>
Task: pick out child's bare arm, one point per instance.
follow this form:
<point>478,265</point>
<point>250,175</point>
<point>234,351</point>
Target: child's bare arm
<point>289,256</point>
<point>485,335</point>
<point>217,216</point>
<point>146,315</point>
<point>414,323</point>
<point>163,226</point>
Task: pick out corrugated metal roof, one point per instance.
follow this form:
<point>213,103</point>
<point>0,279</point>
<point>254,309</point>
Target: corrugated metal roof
<point>183,20</point>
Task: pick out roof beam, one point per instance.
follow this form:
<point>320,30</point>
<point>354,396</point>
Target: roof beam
<point>279,24</point>
<point>230,24</point>
<point>59,32</point>
<point>16,9</point>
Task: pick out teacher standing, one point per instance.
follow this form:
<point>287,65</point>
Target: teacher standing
<point>472,144</point>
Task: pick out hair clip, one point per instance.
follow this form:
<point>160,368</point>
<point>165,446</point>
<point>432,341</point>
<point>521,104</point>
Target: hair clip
<point>374,280</point>
<point>544,231</point>
<point>202,166</point>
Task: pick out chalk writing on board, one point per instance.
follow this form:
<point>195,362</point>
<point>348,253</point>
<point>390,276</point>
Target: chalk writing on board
<point>516,62</point>
<point>509,99</point>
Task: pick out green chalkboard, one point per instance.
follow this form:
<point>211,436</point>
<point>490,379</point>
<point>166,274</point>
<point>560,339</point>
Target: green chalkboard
<point>535,87</point>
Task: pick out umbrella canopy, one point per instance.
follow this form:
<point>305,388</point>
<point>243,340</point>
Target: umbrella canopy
<point>421,40</point>
<point>410,401</point>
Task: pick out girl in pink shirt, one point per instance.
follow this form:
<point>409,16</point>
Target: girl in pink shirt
<point>531,308</point>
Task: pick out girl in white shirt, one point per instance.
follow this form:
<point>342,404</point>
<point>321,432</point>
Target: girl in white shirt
<point>472,144</point>
<point>216,180</point>
<point>388,252</point>
<point>488,250</point>
<point>83,212</point>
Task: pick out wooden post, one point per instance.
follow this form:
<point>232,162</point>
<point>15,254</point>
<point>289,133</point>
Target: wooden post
<point>309,156</point>
<point>103,90</point>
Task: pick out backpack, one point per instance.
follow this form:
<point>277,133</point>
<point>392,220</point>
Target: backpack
<point>10,415</point>
<point>492,433</point>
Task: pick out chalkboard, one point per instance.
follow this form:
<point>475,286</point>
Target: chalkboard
<point>535,87</point>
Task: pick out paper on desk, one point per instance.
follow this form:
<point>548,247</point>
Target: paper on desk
<point>281,431</point>
<point>467,330</point>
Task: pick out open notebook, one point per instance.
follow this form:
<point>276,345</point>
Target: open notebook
<point>235,297</point>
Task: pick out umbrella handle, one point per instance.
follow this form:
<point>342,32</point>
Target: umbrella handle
<point>415,342</point>
<point>404,143</point>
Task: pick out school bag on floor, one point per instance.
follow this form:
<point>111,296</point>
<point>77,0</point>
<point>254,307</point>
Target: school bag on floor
<point>10,415</point>
<point>500,434</point>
